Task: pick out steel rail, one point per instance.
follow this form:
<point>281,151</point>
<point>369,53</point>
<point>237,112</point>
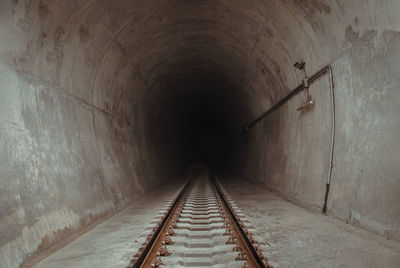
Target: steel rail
<point>144,256</point>
<point>256,258</point>
<point>150,255</point>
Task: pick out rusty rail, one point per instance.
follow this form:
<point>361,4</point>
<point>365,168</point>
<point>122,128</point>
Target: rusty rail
<point>246,241</point>
<point>148,250</point>
<point>237,237</point>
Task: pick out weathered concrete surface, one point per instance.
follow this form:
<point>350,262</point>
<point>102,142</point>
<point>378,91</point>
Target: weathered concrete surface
<point>114,242</point>
<point>291,236</point>
<point>289,151</point>
<point>84,85</point>
<point>296,237</point>
<point>67,151</point>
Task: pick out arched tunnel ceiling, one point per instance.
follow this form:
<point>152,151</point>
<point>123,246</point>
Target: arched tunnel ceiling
<point>127,59</point>
<point>129,47</point>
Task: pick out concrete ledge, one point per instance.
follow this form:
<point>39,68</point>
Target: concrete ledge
<point>296,237</point>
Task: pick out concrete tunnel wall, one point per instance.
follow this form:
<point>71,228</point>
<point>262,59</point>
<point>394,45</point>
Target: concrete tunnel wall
<point>87,85</point>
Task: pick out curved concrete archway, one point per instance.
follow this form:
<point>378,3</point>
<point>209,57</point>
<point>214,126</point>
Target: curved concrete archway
<point>100,101</point>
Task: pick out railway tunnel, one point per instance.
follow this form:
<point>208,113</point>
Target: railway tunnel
<point>105,104</point>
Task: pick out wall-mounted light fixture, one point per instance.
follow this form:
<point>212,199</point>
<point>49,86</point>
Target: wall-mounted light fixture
<point>309,102</point>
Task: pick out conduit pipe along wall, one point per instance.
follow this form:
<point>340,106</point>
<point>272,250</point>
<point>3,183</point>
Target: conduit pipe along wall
<point>307,82</point>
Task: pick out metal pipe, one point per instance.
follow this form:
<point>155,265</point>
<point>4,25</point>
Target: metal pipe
<point>299,88</point>
<point>294,92</point>
<point>332,145</point>
<point>276,106</point>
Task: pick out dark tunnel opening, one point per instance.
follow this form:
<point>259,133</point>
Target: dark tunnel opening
<point>199,119</point>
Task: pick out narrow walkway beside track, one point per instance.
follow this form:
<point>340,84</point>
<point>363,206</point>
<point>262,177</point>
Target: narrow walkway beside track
<point>111,244</point>
<point>289,235</point>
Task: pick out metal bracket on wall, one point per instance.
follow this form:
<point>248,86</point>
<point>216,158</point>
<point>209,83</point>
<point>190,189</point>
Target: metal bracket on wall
<point>305,85</point>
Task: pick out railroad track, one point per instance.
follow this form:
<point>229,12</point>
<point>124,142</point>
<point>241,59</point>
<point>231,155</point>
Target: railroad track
<point>200,229</point>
